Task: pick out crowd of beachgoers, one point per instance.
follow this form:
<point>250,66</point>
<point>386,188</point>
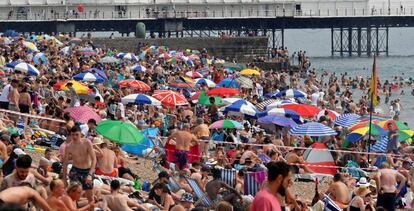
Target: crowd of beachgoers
<point>220,135</point>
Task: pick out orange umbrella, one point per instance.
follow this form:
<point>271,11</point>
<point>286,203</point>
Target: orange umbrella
<point>135,84</point>
<point>170,98</point>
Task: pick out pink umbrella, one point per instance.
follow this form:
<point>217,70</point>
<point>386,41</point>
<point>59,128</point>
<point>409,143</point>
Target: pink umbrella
<point>83,114</point>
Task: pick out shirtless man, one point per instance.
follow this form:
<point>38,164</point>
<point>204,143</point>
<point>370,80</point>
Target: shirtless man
<point>183,140</point>
<point>386,180</point>
<point>3,149</point>
<point>296,157</point>
<point>339,191</point>
<point>80,152</point>
<point>119,202</point>
<point>202,132</point>
<point>214,187</point>
<point>106,161</point>
<point>22,195</point>
<point>13,98</point>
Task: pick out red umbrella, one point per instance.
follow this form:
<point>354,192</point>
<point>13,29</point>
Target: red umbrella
<point>306,111</point>
<point>135,84</point>
<point>83,114</point>
<point>170,98</point>
<point>193,74</point>
<point>223,92</point>
<point>332,114</point>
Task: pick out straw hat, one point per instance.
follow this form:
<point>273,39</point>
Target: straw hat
<point>362,191</point>
<point>97,140</point>
<point>372,183</point>
<point>363,182</point>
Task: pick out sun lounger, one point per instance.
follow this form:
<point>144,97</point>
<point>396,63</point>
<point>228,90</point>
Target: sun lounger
<point>253,181</point>
<point>202,197</point>
<point>229,176</point>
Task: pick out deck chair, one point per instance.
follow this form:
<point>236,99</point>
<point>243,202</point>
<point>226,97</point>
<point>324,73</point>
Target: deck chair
<point>253,181</point>
<point>202,197</point>
<point>172,183</point>
<point>228,176</point>
<point>330,205</point>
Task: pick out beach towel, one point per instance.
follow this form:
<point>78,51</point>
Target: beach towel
<point>253,181</point>
<point>228,176</point>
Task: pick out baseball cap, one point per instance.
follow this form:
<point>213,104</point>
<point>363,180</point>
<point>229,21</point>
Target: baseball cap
<point>163,174</point>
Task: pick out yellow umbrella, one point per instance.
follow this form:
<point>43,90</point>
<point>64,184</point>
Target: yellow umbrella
<point>79,87</point>
<point>249,72</point>
<point>30,46</point>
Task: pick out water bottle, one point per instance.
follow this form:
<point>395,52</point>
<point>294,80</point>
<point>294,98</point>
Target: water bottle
<point>137,184</point>
<point>20,125</point>
<point>145,186</point>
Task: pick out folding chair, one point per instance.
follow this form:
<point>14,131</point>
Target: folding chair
<point>228,176</point>
<point>330,205</point>
<point>172,183</point>
<point>202,197</point>
<point>253,181</point>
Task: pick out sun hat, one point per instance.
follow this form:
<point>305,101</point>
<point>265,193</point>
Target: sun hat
<point>372,183</point>
<point>363,182</point>
<point>97,140</point>
<point>187,197</point>
<point>362,191</point>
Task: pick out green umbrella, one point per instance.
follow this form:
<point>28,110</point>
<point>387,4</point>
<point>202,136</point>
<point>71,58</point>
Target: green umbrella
<point>119,132</point>
<point>205,100</point>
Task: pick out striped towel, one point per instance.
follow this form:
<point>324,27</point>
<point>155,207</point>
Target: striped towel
<point>265,103</point>
<point>199,193</point>
<point>253,181</point>
<point>381,145</point>
<point>228,176</point>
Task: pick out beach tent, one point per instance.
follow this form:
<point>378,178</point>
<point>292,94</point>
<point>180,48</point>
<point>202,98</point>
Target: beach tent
<point>138,149</point>
<point>314,155</point>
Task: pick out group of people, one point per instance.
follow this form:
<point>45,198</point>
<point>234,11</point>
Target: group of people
<point>73,175</point>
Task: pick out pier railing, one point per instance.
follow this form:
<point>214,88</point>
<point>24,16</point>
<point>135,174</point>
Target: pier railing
<point>194,14</point>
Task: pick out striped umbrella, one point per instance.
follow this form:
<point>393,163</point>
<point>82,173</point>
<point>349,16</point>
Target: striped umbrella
<point>109,60</point>
<point>312,129</point>
<point>262,105</point>
<point>140,99</point>
<point>193,74</point>
<point>204,71</point>
<point>40,57</point>
<point>395,125</point>
<point>242,107</point>
<point>272,94</point>
<point>374,123</point>
<point>138,68</point>
<point>12,64</point>
<point>182,85</point>
<point>27,68</point>
<point>332,114</point>
<point>306,111</point>
<point>83,114</point>
<point>277,120</point>
<point>135,84</point>
<point>88,77</point>
<point>284,112</point>
<point>209,83</point>
<point>346,120</point>
<point>225,124</point>
<point>245,82</point>
<point>278,103</point>
<point>31,46</point>
<point>87,51</point>
<point>170,98</point>
<point>380,146</point>
<point>128,56</point>
<point>223,92</point>
<point>361,132</point>
<point>291,93</point>
<point>97,71</point>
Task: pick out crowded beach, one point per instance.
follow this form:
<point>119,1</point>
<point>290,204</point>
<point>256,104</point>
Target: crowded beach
<point>84,127</point>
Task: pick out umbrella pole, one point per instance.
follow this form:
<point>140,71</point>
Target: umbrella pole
<point>370,125</point>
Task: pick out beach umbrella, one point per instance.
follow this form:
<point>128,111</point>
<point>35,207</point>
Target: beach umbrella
<point>242,107</point>
<point>249,72</point>
<point>204,71</point>
<point>374,123</point>
<point>226,124</point>
<point>361,132</point>
<point>97,71</point>
<point>65,50</point>
<point>291,93</point>
<point>109,60</point>
<point>312,129</point>
<point>40,57</point>
<point>119,132</point>
<point>12,64</point>
<point>26,68</point>
<point>278,103</point>
<point>185,79</point>
<point>170,98</point>
<point>229,83</point>
<point>277,120</point>
<point>31,46</point>
<point>2,73</point>
<point>230,100</point>
<point>262,105</point>
<point>332,114</point>
<point>75,40</point>
<point>182,85</point>
<point>138,68</point>
<point>381,145</point>
<point>223,92</point>
<point>346,120</point>
<point>134,84</point>
<point>205,100</point>
<point>209,83</point>
<point>306,111</point>
<point>164,56</point>
<point>87,51</point>
<point>140,99</point>
<point>187,61</point>
<point>375,116</point>
<point>194,74</point>
<point>89,77</point>
<point>79,87</point>
<point>283,112</point>
<point>395,125</point>
<point>245,82</point>
<point>83,114</point>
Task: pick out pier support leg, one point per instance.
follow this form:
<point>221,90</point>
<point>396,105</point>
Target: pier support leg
<point>359,41</point>
<point>283,38</point>
<point>332,42</point>
<point>369,41</point>
<point>350,41</point>
<point>342,42</point>
<point>386,41</point>
<point>377,42</point>
<point>273,38</point>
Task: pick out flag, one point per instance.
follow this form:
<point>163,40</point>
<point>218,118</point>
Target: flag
<point>373,88</point>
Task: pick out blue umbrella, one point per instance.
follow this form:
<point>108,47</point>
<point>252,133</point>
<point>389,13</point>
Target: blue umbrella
<point>27,68</point>
<point>209,83</point>
<point>140,99</point>
<point>12,64</point>
<point>272,94</point>
<point>97,71</point>
<point>277,120</point>
<point>312,129</point>
<point>284,112</point>
<point>138,68</point>
<point>242,107</point>
<point>381,145</point>
<point>228,83</point>
<point>11,33</point>
<point>347,120</point>
<point>89,77</point>
<point>40,57</point>
<point>289,93</point>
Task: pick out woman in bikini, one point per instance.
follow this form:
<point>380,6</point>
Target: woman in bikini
<point>72,197</point>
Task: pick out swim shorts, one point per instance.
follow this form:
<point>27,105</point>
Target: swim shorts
<point>181,158</point>
<point>80,175</point>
